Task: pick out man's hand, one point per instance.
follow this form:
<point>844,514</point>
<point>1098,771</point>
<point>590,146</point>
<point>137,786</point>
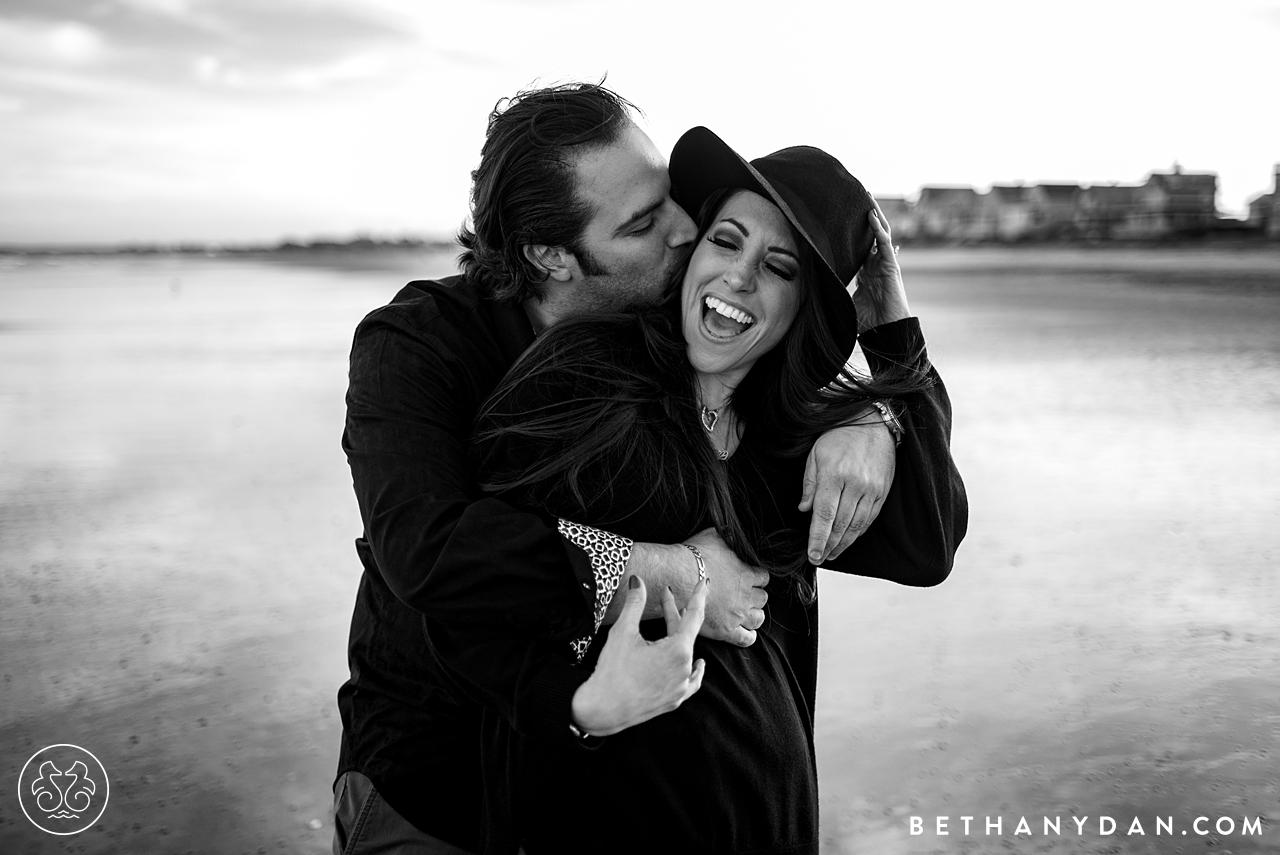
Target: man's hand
<point>846,479</point>
<point>735,607</point>
<point>636,680</point>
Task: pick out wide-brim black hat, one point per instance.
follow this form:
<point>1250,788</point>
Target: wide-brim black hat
<point>826,205</point>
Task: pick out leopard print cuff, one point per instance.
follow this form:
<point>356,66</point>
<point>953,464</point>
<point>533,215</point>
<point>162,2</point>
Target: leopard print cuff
<point>609,554</point>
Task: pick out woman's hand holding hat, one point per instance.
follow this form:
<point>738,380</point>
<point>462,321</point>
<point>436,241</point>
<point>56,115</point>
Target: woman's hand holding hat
<point>880,296</point>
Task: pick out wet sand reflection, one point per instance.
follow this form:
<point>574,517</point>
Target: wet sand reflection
<point>177,570</point>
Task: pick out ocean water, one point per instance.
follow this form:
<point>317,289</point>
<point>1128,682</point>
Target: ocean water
<point>176,567</point>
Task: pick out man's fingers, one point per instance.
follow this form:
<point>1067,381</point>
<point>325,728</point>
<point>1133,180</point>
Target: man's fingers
<point>810,484</point>
<point>825,508</point>
<point>850,535</point>
<point>862,520</point>
<point>742,637</point>
<point>754,620</point>
<point>846,513</point>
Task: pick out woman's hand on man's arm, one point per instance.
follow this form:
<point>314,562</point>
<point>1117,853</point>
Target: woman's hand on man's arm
<point>636,680</point>
<point>735,603</point>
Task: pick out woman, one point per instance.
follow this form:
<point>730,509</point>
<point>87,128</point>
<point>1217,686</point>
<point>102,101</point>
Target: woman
<point>656,424</point>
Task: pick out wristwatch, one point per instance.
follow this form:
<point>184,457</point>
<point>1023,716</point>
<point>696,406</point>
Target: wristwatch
<point>697,556</point>
<point>890,421</point>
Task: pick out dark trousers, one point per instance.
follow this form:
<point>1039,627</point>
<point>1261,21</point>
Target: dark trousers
<point>364,824</point>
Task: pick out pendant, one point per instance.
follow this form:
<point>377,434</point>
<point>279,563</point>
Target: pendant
<point>709,419</point>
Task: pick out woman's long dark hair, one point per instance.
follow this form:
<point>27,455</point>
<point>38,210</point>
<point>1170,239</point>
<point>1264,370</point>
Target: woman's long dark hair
<point>633,403</point>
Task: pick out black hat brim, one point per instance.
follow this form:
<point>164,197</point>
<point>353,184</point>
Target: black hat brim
<point>702,163</point>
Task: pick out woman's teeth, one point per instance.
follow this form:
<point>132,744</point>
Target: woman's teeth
<point>723,308</point>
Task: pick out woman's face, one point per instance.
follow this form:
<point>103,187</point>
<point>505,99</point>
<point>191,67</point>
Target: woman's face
<point>742,289</point>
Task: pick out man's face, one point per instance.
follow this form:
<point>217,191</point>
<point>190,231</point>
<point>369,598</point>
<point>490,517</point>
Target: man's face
<point>637,237</point>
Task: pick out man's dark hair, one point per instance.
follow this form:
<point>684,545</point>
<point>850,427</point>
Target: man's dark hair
<point>523,192</point>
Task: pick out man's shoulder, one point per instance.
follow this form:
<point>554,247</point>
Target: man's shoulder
<point>449,315</point>
<point>424,301</point>
<point>446,307</point>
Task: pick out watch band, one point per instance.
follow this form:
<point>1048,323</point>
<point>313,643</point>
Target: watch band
<point>890,421</point>
<point>697,556</point>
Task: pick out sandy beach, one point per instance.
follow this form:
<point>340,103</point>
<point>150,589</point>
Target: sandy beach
<point>177,568</point>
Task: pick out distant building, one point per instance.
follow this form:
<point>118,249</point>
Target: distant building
<point>1271,226</point>
<point>1168,204</point>
<point>1053,209</point>
<point>1261,210</point>
<point>1006,213</point>
<point>1103,212</point>
<point>902,219</point>
<point>1176,203</point>
<point>950,213</point>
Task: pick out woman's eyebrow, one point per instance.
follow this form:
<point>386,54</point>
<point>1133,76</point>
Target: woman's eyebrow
<point>778,249</point>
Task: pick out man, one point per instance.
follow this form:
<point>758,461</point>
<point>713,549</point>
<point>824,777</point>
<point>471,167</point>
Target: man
<point>571,212</point>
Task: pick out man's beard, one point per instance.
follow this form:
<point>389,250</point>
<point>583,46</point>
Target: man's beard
<point>610,292</point>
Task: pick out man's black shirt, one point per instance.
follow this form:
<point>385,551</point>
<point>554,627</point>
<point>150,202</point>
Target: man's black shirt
<point>420,368</point>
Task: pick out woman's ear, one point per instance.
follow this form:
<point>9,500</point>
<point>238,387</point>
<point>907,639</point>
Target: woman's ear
<point>558,263</point>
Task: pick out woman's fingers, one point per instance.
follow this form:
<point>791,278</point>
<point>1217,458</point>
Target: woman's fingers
<point>690,621</point>
<point>695,677</point>
<point>670,611</point>
<point>633,608</point>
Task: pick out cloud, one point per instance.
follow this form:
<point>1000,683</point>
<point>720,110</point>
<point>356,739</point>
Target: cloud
<point>267,44</point>
<point>39,42</point>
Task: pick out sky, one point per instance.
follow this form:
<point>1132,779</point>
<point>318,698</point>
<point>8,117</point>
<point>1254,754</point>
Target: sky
<point>256,120</point>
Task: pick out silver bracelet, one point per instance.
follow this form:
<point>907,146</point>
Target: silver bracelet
<point>697,556</point>
<point>890,421</point>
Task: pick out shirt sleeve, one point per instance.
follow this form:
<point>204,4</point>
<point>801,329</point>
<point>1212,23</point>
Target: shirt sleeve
<point>925,515</point>
<point>609,554</point>
<point>441,547</point>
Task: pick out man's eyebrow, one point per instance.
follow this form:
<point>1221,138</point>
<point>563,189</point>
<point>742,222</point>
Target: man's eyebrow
<point>638,216</point>
<point>782,250</point>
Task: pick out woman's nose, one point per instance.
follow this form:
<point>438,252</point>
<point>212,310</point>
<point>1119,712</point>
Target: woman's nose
<point>739,276</point>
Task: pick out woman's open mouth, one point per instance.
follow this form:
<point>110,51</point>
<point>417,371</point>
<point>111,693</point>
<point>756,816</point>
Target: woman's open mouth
<point>723,321</point>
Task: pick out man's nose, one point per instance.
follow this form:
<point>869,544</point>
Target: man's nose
<point>683,231</point>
